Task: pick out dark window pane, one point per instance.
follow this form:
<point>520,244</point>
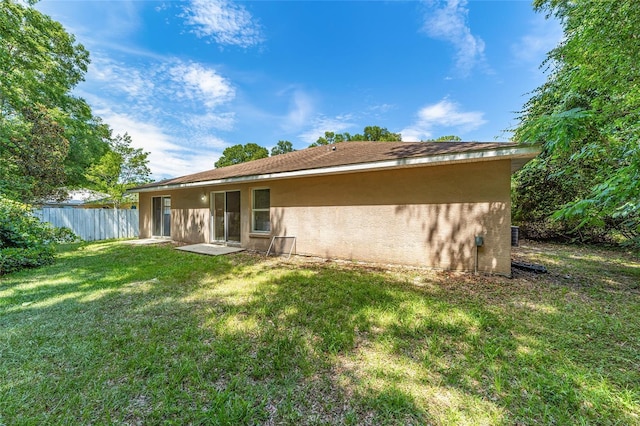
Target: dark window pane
<point>261,199</point>
<point>261,221</point>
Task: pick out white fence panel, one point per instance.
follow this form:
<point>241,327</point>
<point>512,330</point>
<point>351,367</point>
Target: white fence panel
<point>93,224</point>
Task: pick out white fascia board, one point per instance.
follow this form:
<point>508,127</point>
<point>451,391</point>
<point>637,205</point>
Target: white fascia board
<point>463,157</point>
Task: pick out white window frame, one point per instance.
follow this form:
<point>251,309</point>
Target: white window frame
<point>254,210</point>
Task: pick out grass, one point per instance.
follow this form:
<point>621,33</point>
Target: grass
<point>122,334</point>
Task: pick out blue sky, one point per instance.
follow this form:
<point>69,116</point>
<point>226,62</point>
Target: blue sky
<point>187,79</point>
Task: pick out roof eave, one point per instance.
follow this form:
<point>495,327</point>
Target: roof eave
<point>519,155</point>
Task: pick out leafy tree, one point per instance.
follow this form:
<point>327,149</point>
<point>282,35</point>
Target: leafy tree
<point>378,134</point>
<point>237,154</point>
<point>120,169</point>
<point>587,115</point>
<point>88,142</point>
<point>447,138</point>
<point>40,63</point>
<point>370,133</point>
<point>541,187</point>
<point>282,148</point>
<point>331,138</point>
<point>33,158</point>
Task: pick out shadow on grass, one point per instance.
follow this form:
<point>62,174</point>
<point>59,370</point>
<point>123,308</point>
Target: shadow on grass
<point>411,355</point>
<point>102,266</point>
<point>149,335</point>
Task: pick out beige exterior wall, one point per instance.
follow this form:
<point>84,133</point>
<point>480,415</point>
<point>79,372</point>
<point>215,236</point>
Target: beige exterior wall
<point>144,207</point>
<point>425,216</point>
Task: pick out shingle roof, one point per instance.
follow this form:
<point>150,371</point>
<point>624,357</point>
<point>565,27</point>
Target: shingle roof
<point>342,154</point>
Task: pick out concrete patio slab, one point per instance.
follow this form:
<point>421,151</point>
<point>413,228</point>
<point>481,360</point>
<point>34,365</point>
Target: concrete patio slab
<point>209,249</point>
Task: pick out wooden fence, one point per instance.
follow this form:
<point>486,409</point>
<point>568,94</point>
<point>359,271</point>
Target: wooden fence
<point>93,224</point>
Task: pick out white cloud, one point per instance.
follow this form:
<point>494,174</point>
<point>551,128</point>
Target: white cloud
<point>203,84</point>
<point>300,110</point>
<point>166,158</point>
<point>209,120</point>
<point>227,23</point>
<point>444,114</point>
<point>127,80</point>
<point>171,109</point>
<point>179,92</point>
<point>214,142</point>
<point>168,78</point>
<point>146,136</point>
<point>448,21</point>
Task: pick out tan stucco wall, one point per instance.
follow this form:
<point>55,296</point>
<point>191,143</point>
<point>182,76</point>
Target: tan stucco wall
<point>144,208</point>
<point>427,235</point>
<point>425,216</point>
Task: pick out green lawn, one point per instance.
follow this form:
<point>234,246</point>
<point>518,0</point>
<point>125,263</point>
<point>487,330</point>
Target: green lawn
<point>122,334</point>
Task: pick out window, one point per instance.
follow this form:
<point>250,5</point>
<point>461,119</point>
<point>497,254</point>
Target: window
<point>260,216</point>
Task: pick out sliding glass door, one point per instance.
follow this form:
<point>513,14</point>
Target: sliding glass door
<point>161,216</point>
<point>225,211</point>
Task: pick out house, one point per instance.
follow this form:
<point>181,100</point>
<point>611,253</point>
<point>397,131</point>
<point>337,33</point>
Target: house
<point>77,198</point>
<point>393,202</point>
<point>89,199</point>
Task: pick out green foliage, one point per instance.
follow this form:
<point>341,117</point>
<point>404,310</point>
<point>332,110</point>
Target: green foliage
<point>120,169</point>
<point>25,242</point>
<point>282,148</point>
<point>14,259</point>
<point>370,133</point>
<point>447,138</point>
<point>88,142</point>
<point>47,136</point>
<point>331,138</point>
<point>588,114</point>
<point>378,134</point>
<point>237,154</point>
<point>39,61</point>
<point>34,158</point>
<point>538,190</point>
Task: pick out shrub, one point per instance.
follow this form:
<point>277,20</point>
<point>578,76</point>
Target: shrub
<point>25,242</point>
<point>14,259</point>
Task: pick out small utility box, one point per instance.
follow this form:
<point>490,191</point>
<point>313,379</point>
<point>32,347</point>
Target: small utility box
<point>515,236</point>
